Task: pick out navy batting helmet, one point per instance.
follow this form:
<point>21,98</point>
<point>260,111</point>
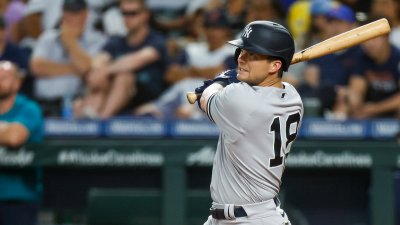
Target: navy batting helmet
<point>267,38</point>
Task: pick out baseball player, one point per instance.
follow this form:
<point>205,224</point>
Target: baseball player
<point>259,117</point>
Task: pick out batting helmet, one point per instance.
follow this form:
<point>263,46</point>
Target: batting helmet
<point>267,38</point>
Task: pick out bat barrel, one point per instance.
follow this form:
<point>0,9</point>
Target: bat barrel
<point>344,40</point>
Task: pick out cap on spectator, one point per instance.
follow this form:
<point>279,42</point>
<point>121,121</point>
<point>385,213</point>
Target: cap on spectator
<point>320,7</point>
<point>35,6</point>
<point>74,5</point>
<point>216,18</point>
<point>342,12</point>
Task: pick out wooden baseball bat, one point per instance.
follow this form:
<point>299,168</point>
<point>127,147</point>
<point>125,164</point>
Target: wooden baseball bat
<point>333,44</point>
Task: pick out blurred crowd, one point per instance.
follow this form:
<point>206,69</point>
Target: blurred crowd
<point>98,59</point>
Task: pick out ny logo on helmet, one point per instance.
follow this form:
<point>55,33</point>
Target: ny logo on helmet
<point>247,31</point>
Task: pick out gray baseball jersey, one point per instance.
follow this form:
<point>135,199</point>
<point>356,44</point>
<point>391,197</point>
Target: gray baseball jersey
<point>257,127</point>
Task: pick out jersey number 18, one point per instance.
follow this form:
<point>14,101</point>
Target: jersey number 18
<point>276,128</point>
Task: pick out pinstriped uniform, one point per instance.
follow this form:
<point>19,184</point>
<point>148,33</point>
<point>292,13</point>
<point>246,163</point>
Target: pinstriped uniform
<point>257,127</point>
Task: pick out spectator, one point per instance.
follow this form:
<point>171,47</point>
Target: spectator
<point>236,13</point>
<point>62,58</point>
<point>169,16</point>
<point>389,9</point>
<point>319,28</point>
<point>299,20</point>
<point>333,70</point>
<point>198,61</point>
<point>53,12</point>
<point>270,10</point>
<point>374,89</point>
<point>29,28</point>
<point>13,14</point>
<point>205,59</point>
<point>130,70</point>
<point>10,51</point>
<point>21,122</point>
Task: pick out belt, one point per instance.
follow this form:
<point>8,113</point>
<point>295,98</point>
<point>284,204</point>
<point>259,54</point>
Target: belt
<point>219,214</point>
<point>232,212</point>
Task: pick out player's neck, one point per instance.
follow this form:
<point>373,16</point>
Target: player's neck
<point>272,82</point>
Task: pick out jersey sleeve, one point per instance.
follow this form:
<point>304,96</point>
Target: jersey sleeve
<point>230,108</point>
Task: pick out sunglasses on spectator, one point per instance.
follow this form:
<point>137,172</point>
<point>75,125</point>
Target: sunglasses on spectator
<point>131,13</point>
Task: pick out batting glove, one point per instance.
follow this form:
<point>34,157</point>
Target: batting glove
<point>227,77</point>
<point>199,90</point>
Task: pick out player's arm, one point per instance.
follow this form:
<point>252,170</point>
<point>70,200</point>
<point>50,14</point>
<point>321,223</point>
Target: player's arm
<point>208,93</point>
<point>222,80</point>
<point>13,135</point>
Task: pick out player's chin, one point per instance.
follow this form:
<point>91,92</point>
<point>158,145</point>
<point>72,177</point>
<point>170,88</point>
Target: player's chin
<point>242,75</point>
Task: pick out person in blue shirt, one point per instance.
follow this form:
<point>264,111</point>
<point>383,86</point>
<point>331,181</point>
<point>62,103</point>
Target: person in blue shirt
<point>327,76</point>
<point>374,88</point>
<point>21,122</point>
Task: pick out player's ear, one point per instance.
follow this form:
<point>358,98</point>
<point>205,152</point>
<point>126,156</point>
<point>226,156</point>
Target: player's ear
<point>276,65</point>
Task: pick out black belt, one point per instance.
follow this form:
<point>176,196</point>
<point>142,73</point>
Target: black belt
<point>220,215</point>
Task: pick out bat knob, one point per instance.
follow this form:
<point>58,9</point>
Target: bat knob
<point>192,97</point>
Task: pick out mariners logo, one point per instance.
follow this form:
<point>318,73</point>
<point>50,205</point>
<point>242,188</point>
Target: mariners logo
<point>247,32</point>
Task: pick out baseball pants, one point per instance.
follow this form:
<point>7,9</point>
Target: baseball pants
<point>262,213</point>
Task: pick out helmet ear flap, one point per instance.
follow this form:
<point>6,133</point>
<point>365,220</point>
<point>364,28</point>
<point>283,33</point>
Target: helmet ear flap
<point>237,53</point>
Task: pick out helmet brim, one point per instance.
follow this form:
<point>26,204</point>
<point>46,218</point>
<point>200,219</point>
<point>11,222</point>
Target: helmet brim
<point>237,42</point>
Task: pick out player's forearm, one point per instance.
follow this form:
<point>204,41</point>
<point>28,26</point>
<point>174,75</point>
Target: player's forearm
<point>208,92</point>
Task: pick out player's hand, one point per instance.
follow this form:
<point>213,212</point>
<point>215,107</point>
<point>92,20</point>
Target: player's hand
<point>227,77</point>
<point>206,83</point>
<point>199,90</point>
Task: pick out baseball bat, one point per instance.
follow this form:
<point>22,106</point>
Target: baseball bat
<point>333,44</point>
